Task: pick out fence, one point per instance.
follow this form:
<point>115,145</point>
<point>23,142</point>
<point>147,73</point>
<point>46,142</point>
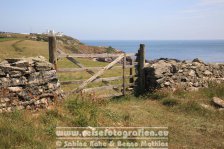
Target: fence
<point>139,64</point>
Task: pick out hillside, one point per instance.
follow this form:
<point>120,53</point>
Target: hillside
<point>64,42</point>
<point>192,119</point>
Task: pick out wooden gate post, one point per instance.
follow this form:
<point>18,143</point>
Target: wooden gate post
<point>140,70</point>
<point>124,67</point>
<point>131,72</point>
<point>52,49</point>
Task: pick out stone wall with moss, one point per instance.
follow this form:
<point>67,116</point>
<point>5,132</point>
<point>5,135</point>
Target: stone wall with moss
<point>27,83</point>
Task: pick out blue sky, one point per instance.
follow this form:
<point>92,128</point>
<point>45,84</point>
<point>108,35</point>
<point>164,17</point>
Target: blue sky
<point>117,19</point>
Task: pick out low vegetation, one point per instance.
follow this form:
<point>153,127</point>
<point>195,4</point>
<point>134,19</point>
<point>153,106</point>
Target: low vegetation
<point>185,117</point>
<point>191,124</point>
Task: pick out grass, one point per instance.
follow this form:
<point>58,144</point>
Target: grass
<point>169,101</point>
<point>22,48</point>
<point>186,120</point>
<point>7,39</point>
<point>190,124</point>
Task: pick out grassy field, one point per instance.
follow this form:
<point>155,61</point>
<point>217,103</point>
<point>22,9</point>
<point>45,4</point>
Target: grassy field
<point>190,124</point>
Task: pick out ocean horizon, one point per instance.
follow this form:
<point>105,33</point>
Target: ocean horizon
<point>211,51</point>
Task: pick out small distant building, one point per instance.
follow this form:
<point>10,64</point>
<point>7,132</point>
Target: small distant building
<point>8,36</point>
<point>52,32</point>
<point>33,37</point>
<point>59,34</point>
<point>25,33</point>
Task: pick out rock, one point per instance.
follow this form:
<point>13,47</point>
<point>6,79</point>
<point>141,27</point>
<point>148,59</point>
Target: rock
<point>37,102</point>
<point>2,105</point>
<point>167,83</point>
<point>207,73</point>
<point>28,107</point>
<point>2,100</point>
<point>197,64</point>
<point>18,81</point>
<point>49,75</point>
<point>197,60</point>
<point>25,95</point>
<point>2,74</point>
<point>217,101</point>
<point>180,71</point>
<point>184,74</point>
<point>43,66</point>
<point>44,101</point>
<point>20,107</point>
<point>193,89</point>
<point>15,89</point>
<point>15,74</point>
<point>221,109</point>
<point>184,79</point>
<point>30,70</point>
<point>9,109</point>
<point>161,68</point>
<point>7,68</point>
<point>192,73</point>
<point>160,80</point>
<point>38,59</point>
<point>105,59</point>
<point>196,84</point>
<point>35,78</point>
<point>13,60</point>
<point>22,63</point>
<point>4,82</point>
<point>208,107</point>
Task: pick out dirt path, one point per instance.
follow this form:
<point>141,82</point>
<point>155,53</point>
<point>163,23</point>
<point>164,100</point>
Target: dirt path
<point>15,46</point>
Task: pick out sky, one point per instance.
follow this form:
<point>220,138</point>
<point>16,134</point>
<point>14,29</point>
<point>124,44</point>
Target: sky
<point>117,19</point>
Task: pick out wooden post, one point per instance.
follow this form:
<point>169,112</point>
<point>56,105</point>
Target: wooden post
<point>131,80</point>
<point>52,50</point>
<point>141,73</point>
<point>124,83</point>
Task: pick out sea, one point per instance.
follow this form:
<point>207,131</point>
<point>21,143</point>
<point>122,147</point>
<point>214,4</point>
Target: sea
<point>210,51</point>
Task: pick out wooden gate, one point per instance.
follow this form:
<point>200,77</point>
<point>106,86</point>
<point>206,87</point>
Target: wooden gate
<point>96,72</point>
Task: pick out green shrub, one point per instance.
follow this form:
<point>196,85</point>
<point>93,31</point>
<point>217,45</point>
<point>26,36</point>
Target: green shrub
<point>192,107</point>
<point>169,101</point>
<point>49,120</point>
<point>17,130</point>
<point>181,93</point>
<point>83,110</point>
<point>213,89</point>
<point>156,95</point>
<point>110,50</point>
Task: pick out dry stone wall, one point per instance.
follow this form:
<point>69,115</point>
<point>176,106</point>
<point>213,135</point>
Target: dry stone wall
<point>190,75</point>
<point>27,83</point>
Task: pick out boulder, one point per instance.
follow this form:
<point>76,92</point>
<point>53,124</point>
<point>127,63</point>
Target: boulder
<point>217,101</point>
<point>197,60</point>
<point>207,73</point>
<point>161,68</point>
